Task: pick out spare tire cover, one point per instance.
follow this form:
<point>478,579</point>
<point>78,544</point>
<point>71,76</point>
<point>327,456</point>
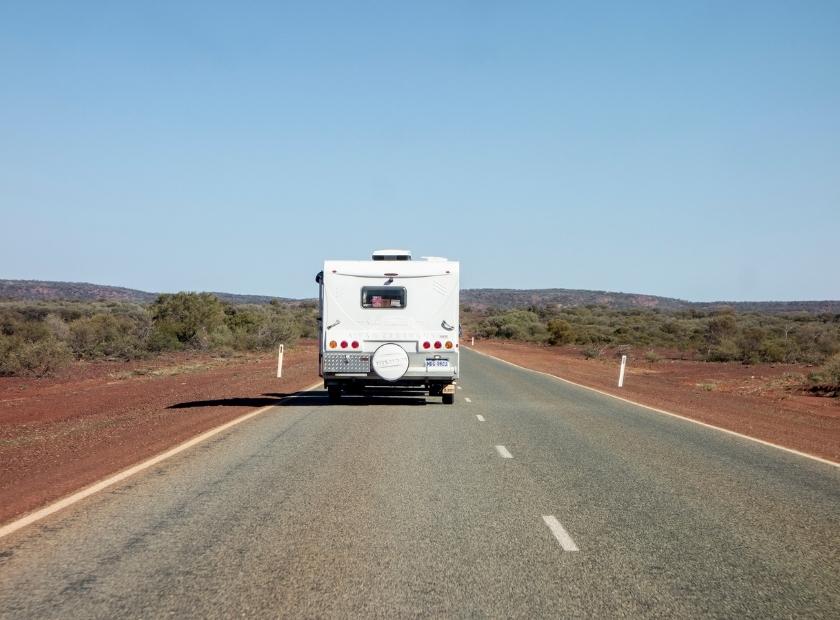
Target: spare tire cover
<point>390,361</point>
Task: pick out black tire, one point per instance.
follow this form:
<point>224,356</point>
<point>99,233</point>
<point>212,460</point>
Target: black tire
<point>448,399</point>
<point>334,393</point>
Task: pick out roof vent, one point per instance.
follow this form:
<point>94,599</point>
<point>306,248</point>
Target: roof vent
<point>392,255</point>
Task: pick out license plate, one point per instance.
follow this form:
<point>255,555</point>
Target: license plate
<point>437,363</point>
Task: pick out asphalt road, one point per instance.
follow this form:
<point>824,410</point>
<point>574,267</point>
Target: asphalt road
<point>391,507</point>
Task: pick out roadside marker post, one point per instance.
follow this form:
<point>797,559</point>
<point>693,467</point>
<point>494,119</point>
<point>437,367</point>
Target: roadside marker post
<point>621,372</point>
<point>472,341</point>
<point>280,362</point>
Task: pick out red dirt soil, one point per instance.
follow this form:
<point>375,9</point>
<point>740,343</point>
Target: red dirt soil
<point>61,434</point>
<point>763,401</point>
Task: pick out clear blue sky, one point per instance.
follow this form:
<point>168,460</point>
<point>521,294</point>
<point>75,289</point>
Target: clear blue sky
<point>686,149</point>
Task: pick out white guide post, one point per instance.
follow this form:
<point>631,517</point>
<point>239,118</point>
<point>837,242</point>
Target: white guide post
<point>621,372</point>
<point>280,362</point>
<point>472,341</point>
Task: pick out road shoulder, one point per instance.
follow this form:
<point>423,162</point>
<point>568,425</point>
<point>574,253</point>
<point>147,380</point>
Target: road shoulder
<point>60,436</point>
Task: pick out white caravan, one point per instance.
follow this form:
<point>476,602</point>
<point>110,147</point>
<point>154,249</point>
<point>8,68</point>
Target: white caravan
<point>389,321</point>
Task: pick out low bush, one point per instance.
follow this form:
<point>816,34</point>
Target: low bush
<point>40,337</point>
<point>260,327</point>
<point>591,352</point>
<point>727,350</point>
<point>514,325</point>
<point>37,358</point>
<point>719,336</point>
<point>107,335</point>
<point>652,356</point>
<point>828,375</point>
<point>185,320</point>
<point>559,332</point>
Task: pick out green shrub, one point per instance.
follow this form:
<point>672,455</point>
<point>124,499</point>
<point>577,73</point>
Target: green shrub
<point>721,327</point>
<point>164,337</point>
<point>106,335</point>
<point>513,325</point>
<point>33,358</point>
<point>652,356</point>
<point>304,319</point>
<point>9,345</point>
<point>57,327</point>
<point>30,332</point>
<point>222,338</point>
<point>185,320</point>
<point>275,329</point>
<point>591,352</point>
<point>718,336</point>
<point>559,332</point>
<point>828,374</point>
<point>260,327</point>
<point>775,350</point>
<point>726,350</point>
<point>750,344</point>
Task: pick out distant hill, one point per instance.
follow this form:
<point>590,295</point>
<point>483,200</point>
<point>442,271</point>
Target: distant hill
<point>506,298</point>
<point>503,298</point>
<point>37,290</point>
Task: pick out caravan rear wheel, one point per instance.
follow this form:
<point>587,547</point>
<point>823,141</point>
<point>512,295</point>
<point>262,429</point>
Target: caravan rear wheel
<point>449,399</point>
<point>334,393</point>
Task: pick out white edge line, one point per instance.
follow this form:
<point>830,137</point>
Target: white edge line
<point>560,533</point>
<point>674,415</point>
<point>503,452</point>
<point>126,473</point>
<point>480,417</point>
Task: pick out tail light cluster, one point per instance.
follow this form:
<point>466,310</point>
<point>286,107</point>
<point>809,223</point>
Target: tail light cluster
<point>355,344</point>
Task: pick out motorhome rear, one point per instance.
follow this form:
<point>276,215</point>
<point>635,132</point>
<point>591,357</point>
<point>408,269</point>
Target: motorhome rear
<point>389,321</point>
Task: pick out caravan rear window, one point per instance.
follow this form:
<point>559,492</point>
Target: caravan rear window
<point>383,297</point>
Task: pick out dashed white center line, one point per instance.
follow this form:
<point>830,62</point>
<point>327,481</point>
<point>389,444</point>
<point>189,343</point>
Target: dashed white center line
<point>468,400</point>
<point>560,533</point>
<point>503,452</point>
<point>480,418</point>
<point>459,387</point>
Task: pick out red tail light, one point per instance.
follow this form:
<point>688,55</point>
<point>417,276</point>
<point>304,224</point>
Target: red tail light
<point>355,344</point>
<point>427,344</point>
<point>343,344</point>
<point>438,345</point>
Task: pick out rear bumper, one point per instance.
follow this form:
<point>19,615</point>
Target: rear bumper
<point>355,367</point>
